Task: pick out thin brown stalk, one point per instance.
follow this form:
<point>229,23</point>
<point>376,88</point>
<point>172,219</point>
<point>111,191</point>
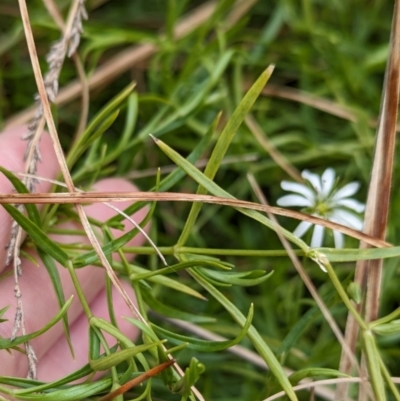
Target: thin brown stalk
<point>315,384</point>
<point>60,157</point>
<point>97,197</point>
<point>369,273</point>
<point>317,102</point>
<point>32,158</point>
<point>137,380</point>
<point>67,177</point>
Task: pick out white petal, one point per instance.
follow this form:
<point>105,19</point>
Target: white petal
<point>348,190</point>
<point>298,188</point>
<point>314,179</point>
<point>327,179</point>
<point>317,237</point>
<point>351,204</point>
<point>338,238</point>
<point>302,228</point>
<point>347,219</point>
<point>293,200</point>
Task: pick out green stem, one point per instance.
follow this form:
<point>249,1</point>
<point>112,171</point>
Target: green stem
<point>321,258</point>
<point>78,289</point>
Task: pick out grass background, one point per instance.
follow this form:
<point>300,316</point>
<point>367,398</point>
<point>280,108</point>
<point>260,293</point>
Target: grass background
<point>330,50</point>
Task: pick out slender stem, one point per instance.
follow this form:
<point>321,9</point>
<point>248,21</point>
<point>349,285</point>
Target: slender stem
<point>79,291</point>
<point>342,293</point>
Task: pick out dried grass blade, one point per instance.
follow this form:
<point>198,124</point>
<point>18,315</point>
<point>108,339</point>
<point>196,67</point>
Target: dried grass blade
<point>98,197</point>
<point>368,273</point>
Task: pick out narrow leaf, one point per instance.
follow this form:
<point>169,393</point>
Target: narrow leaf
<point>31,209</point>
<point>8,343</point>
<point>40,238</point>
<point>120,356</point>
<point>206,345</point>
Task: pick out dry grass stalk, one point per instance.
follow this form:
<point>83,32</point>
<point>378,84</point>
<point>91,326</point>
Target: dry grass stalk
<point>49,88</point>
<point>97,197</point>
<point>319,103</point>
<point>369,273</point>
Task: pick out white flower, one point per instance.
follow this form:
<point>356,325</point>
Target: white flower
<point>323,200</point>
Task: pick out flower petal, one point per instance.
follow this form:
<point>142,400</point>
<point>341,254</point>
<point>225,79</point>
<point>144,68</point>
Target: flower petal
<point>293,200</point>
<point>347,219</point>
<point>327,180</point>
<point>348,190</point>
<point>351,204</point>
<point>314,179</point>
<point>338,238</point>
<point>302,228</point>
<point>298,188</point>
<point>318,237</point>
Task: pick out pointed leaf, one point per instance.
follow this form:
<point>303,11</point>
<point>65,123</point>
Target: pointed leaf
<point>52,269</point>
<point>206,345</point>
<point>31,209</point>
<point>38,236</point>
<point>7,343</point>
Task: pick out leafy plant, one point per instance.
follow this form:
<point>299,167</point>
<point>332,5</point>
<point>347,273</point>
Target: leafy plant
<point>208,107</point>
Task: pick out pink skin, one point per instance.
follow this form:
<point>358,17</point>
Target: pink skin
<point>38,297</point>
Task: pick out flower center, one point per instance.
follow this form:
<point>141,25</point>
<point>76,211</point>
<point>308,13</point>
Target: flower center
<point>322,209</point>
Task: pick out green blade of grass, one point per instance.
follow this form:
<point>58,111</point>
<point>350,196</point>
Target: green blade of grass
<point>222,146</point>
<point>32,209</point>
<point>38,236</point>
<point>206,345</point>
<point>7,343</point>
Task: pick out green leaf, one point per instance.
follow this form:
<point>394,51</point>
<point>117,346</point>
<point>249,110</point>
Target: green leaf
<point>2,312</point>
<point>206,345</point>
<point>98,121</point>
<point>165,310</point>
<point>8,343</point>
<point>165,281</point>
<point>94,343</point>
<point>352,255</point>
<point>31,209</point>
<point>296,377</point>
<point>120,356</point>
<point>245,279</point>
<point>52,270</point>
<point>222,145</point>
<point>73,393</point>
<point>259,344</point>
<point>177,267</point>
<point>192,374</point>
<point>95,135</point>
<point>40,238</point>
<point>373,363</point>
<point>387,328</point>
<point>354,291</point>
